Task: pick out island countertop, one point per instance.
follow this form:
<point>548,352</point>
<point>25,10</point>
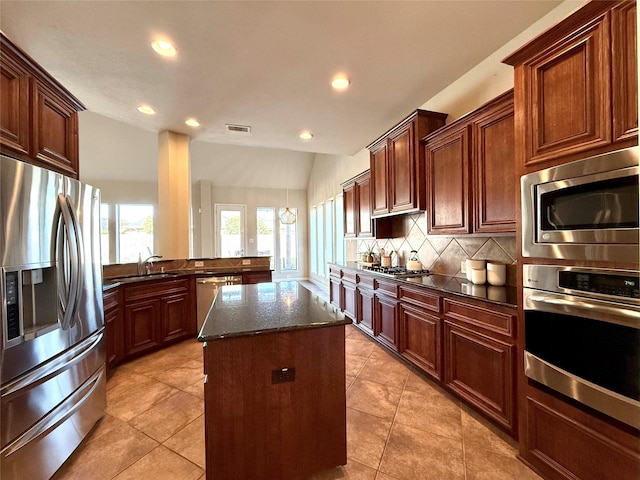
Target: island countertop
<point>242,310</point>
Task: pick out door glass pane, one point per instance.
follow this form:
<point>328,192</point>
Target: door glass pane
<point>314,240</point>
<point>266,233</point>
<point>340,248</point>
<point>104,233</point>
<point>288,244</point>
<point>231,233</point>
<point>135,232</point>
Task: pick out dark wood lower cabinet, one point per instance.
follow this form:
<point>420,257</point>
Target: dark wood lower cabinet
<point>385,320</point>
<point>157,313</point>
<point>563,440</point>
<point>349,299</point>
<point>335,288</point>
<point>421,334</point>
<point>114,328</point>
<point>364,311</point>
<point>256,277</point>
<point>481,370</point>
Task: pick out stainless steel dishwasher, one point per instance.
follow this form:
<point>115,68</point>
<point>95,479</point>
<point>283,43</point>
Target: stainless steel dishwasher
<point>206,289</point>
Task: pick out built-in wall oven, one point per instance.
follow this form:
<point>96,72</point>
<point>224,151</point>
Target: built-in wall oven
<point>582,336</point>
<point>583,210</point>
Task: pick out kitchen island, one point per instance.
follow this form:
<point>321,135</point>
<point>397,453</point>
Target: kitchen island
<point>275,402</point>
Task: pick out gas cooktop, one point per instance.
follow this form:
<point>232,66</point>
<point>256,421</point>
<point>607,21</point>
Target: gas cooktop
<point>396,272</point>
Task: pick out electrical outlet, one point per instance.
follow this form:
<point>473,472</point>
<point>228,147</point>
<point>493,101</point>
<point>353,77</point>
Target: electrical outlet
<point>283,375</point>
<point>199,263</point>
<point>246,262</point>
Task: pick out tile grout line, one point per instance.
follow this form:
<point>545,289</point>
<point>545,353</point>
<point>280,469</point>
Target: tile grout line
<point>393,422</point>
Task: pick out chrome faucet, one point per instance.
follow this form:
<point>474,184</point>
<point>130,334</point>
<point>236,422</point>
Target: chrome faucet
<point>148,263</point>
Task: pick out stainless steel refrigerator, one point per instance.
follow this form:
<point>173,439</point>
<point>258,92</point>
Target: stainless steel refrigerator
<point>52,374</point>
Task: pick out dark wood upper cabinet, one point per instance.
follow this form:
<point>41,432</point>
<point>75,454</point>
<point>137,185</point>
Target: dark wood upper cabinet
<point>576,86</point>
<point>493,166</point>
<point>624,49</point>
<point>470,172</point>
<point>447,160</point>
<point>397,165</point>
<point>38,116</point>
<point>357,206</point>
<point>379,172</point>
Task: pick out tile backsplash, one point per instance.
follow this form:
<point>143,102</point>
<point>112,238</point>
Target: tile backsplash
<point>440,254</point>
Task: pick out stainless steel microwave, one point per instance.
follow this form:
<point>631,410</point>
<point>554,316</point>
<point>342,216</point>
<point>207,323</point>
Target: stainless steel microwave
<point>583,210</point>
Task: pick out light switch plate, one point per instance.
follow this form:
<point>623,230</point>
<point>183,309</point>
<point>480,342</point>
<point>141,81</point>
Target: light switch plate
<point>246,262</point>
<point>199,263</point>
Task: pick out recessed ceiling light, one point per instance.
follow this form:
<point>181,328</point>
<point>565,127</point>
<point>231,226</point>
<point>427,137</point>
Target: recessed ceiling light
<point>306,135</point>
<point>147,110</point>
<point>340,83</point>
<point>192,122</point>
<point>164,48</point>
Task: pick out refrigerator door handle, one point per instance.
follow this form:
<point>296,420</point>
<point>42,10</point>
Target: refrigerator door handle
<point>67,263</point>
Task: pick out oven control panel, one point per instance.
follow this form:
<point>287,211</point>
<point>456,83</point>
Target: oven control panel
<point>602,283</point>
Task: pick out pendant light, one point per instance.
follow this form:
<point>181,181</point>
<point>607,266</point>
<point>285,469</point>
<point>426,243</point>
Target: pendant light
<point>287,217</point>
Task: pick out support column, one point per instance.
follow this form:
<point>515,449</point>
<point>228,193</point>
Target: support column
<point>174,195</point>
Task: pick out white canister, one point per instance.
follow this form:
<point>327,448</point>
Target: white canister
<point>478,276</point>
<point>496,274</point>
<point>471,264</point>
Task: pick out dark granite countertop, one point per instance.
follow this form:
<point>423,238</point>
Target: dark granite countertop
<point>241,310</point>
<point>113,282</point>
<point>505,295</point>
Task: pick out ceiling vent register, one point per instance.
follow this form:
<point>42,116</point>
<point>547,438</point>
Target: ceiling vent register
<point>238,128</point>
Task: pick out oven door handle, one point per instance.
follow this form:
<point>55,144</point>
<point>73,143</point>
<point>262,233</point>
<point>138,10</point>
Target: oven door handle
<point>566,304</point>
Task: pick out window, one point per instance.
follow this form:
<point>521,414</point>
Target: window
<point>288,244</point>
<point>104,233</point>
<point>320,226</point>
<point>329,240</point>
<point>340,247</point>
<point>230,228</point>
<point>266,243</point>
<point>135,232</point>
<point>314,240</point>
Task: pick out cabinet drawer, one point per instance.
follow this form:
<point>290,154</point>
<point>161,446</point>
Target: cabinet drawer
<point>110,299</point>
<point>365,281</point>
<point>335,271</point>
<point>386,287</point>
<point>349,276</point>
<point>495,320</point>
<point>420,297</point>
<point>154,289</point>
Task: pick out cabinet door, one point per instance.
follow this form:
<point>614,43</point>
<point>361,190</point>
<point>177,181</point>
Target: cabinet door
<point>447,160</point>
<point>141,326</point>
<point>349,295</point>
<point>365,308</point>
<point>14,107</point>
<point>114,330</point>
<point>379,158</point>
<point>385,320</point>
<point>567,95</point>
<point>350,210</point>
<point>481,370</point>
<point>402,171</point>
<point>494,177</point>
<point>55,132</point>
<point>176,317</point>
<point>624,49</point>
<point>364,223</point>
<point>334,292</point>
<point>421,340</point>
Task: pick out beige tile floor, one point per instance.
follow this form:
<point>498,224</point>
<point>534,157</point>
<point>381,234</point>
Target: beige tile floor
<point>400,425</point>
